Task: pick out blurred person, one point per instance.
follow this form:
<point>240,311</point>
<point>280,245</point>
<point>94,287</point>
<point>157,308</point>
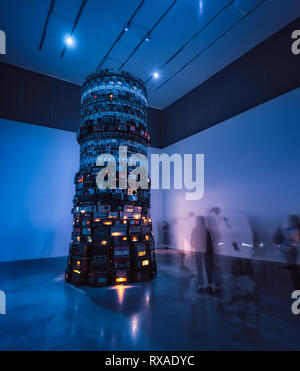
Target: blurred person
<point>278,240</point>
<point>213,244</point>
<point>288,240</point>
<point>292,243</point>
<point>202,243</point>
<point>199,245</point>
<point>165,235</point>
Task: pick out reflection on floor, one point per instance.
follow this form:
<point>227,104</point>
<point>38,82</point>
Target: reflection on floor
<point>45,313</point>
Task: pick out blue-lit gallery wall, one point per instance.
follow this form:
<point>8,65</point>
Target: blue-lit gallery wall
<point>251,174</point>
<point>37,168</point>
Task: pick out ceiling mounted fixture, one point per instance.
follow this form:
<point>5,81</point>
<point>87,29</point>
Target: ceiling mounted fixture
<point>212,43</point>
<point>46,24</point>
<point>74,25</point>
<point>69,41</point>
<point>146,37</point>
<point>125,29</point>
<point>192,38</point>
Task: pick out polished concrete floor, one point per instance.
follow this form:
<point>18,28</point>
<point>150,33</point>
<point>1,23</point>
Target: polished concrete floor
<point>252,312</point>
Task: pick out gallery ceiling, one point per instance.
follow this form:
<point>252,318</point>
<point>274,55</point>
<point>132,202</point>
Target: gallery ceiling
<point>172,45</point>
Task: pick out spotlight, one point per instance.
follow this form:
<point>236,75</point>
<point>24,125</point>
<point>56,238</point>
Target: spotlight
<point>147,38</point>
<point>156,75</point>
<point>126,28</point>
<point>69,41</point>
<point>201,5</point>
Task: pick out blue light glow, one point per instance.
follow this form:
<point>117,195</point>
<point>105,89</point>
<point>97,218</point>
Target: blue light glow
<point>201,5</point>
<point>69,41</point>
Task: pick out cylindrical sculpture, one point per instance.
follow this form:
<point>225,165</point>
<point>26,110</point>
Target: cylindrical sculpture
<point>112,240</point>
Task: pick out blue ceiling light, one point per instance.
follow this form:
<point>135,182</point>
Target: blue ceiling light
<point>69,41</point>
<point>201,6</point>
<point>156,75</point>
<point>147,37</point>
<point>126,28</point>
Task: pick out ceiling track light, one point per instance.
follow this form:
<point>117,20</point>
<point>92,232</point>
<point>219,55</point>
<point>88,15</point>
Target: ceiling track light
<point>238,9</point>
<point>146,38</point>
<point>120,35</point>
<point>75,24</point>
<point>211,44</point>
<point>69,40</point>
<point>50,11</point>
<point>192,38</point>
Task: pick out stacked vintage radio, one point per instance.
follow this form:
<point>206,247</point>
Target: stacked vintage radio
<point>112,240</point>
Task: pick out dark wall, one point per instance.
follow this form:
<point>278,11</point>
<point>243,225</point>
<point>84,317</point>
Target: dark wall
<point>38,99</point>
<point>34,98</point>
<point>154,122</point>
<point>265,72</point>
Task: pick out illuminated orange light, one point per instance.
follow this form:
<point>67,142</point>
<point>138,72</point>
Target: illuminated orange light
<point>121,279</point>
<point>134,238</point>
<point>107,223</point>
<point>116,234</point>
<point>142,253</point>
<point>125,222</point>
<point>147,238</point>
<point>96,220</point>
<point>124,238</point>
<point>78,262</point>
<point>145,262</point>
<point>76,271</point>
<point>103,242</point>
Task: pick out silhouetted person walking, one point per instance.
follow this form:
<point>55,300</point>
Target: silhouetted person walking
<point>201,242</point>
<point>165,235</point>
<point>289,245</point>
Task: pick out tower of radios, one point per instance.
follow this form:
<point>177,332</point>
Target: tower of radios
<point>112,240</point>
